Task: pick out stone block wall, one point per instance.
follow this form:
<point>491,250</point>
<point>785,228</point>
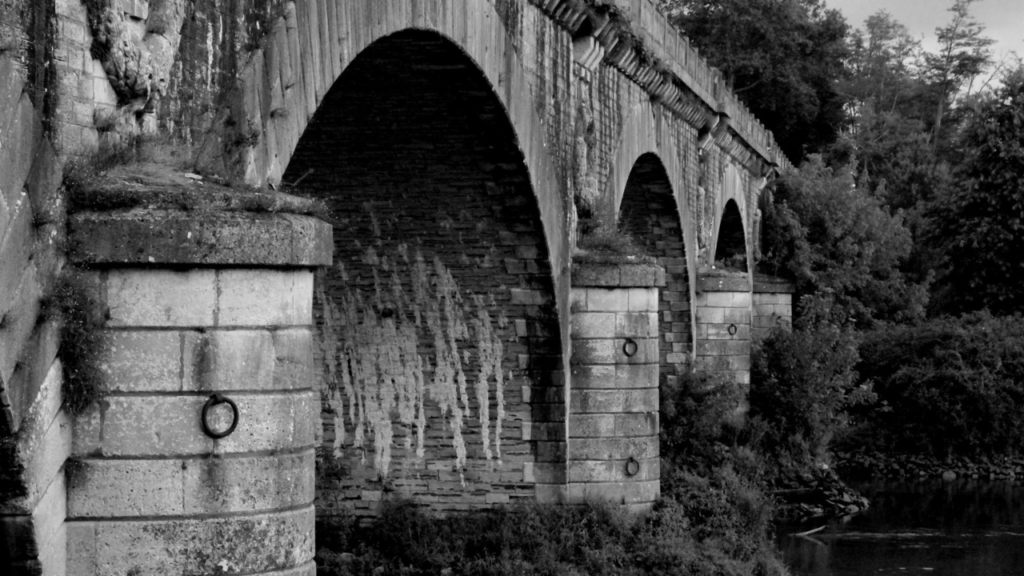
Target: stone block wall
<point>613,403</point>
<point>772,304</point>
<point>649,214</point>
<point>723,311</point>
<point>34,430</point>
<point>438,243</point>
<point>198,456</point>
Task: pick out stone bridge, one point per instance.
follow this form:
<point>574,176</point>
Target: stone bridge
<point>470,329</point>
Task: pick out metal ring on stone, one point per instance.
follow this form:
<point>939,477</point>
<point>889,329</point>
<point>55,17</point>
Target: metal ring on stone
<point>629,347</point>
<point>213,401</point>
<point>732,329</point>
<point>632,467</point>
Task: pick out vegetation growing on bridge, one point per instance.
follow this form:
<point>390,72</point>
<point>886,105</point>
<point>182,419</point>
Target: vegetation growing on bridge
<point>902,226</point>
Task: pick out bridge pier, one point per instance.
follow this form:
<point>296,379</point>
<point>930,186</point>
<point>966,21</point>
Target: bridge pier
<point>197,457</point>
<point>723,310</point>
<point>613,403</point>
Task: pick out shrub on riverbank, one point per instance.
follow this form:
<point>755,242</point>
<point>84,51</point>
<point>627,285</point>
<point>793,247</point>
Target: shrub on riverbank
<point>803,386</point>
<point>713,519</point>
<point>950,386</point>
<point>706,533</point>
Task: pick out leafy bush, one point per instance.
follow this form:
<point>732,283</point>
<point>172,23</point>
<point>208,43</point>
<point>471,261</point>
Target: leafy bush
<point>837,241</point>
<point>951,385</point>
<point>585,540</point>
<point>803,385</point>
<point>697,419</point>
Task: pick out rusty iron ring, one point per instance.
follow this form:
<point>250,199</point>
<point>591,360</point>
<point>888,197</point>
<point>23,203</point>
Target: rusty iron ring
<point>732,329</point>
<point>632,467</point>
<point>629,347</point>
<point>215,400</point>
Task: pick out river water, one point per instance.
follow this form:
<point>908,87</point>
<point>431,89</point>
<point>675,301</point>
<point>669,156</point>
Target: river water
<point>959,528</point>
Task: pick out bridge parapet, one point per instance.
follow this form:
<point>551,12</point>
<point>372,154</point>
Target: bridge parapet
<point>672,53</point>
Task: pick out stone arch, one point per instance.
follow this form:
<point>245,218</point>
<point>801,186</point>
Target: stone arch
<point>648,213</point>
<point>646,134</point>
<point>729,232</point>
<point>731,246</point>
<point>312,43</point>
<point>442,298</point>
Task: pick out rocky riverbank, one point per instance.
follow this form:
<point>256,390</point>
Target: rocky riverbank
<point>877,465</point>
<point>816,496</point>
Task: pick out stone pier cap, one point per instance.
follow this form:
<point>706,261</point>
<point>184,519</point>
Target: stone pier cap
<point>137,216</point>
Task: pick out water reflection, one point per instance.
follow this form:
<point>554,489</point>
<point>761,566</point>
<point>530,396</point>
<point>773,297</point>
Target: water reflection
<point>960,528</point>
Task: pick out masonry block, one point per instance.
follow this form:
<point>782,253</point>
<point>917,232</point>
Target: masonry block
<point>146,360</point>
<point>161,298</point>
<point>265,298</point>
<point>613,401</point>
<point>619,492</point>
<point>158,425</point>
<point>612,447</point>
<point>607,300</point>
<point>601,351</point>
<point>175,487</point>
<point>614,470</point>
<point>258,543</point>
<point>293,359</point>
<point>593,324</point>
<point>613,425</point>
<point>636,324</point>
<point>234,360</point>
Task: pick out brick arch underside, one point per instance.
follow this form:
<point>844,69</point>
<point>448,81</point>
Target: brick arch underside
<point>414,155</point>
<point>732,245</point>
<point>649,214</point>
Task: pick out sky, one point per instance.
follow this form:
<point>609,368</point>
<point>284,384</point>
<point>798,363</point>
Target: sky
<point>1003,19</point>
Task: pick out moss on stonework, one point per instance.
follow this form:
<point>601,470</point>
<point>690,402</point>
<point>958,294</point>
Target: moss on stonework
<point>73,303</point>
<point>154,174</point>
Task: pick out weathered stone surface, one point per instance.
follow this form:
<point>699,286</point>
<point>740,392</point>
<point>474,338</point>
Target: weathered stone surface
<point>159,298</point>
<point>593,324</point>
<point>146,360</point>
<point>613,470</point>
<point>611,448</point>
<point>613,401</point>
<point>293,359</point>
<point>615,376</point>
<point>199,238</point>
<point>619,492</point>
<point>723,282</point>
<point>101,488</point>
<point>613,425</point>
<point>226,360</point>
<point>265,298</point>
<point>170,425</point>
<point>225,545</point>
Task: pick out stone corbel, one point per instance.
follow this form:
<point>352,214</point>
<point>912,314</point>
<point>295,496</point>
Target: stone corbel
<point>706,134</point>
<point>587,52</point>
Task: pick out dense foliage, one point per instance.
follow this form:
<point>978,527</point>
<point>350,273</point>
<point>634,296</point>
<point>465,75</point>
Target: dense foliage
<point>803,385</point>
<point>981,225</point>
<point>836,240</point>
<point>783,59</point>
<point>949,386</point>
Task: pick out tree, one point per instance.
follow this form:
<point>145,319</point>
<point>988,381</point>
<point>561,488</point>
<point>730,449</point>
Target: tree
<point>882,64</point>
<point>838,242</point>
<point>783,59</point>
<point>963,55</point>
<point>981,224</point>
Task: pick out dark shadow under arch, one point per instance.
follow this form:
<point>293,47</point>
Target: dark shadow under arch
<point>414,155</point>
<point>649,214</point>
<point>731,249</point>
